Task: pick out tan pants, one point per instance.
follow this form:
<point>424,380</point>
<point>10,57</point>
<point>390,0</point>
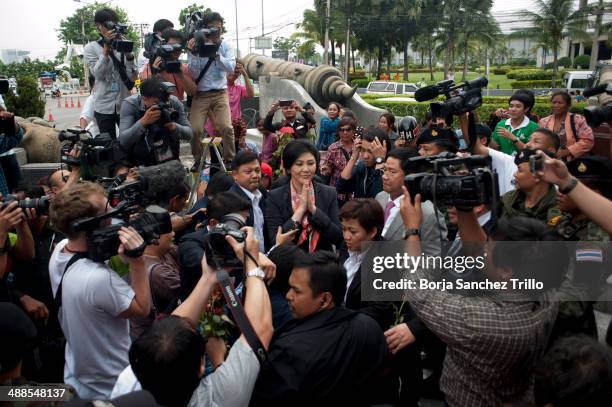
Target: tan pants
<point>215,105</point>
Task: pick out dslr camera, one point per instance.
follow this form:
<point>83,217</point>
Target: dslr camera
<point>461,98</point>
<point>118,43</point>
<point>97,154</point>
<point>40,204</point>
<point>195,27</point>
<point>168,113</point>
<point>453,181</point>
<point>218,251</point>
<point>155,46</point>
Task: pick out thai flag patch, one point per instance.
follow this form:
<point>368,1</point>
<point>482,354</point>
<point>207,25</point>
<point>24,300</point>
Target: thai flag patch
<point>594,255</point>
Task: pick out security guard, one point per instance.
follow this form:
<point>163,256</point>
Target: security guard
<point>590,250</point>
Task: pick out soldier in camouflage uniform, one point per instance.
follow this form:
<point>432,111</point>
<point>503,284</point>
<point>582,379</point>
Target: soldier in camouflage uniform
<point>519,202</point>
<point>590,257</point>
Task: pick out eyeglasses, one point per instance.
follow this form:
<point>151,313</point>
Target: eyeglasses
<point>345,129</point>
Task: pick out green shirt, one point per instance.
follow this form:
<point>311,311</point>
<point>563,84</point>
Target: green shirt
<point>523,132</point>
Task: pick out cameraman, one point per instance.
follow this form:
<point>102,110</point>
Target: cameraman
<point>7,142</point>
<point>113,71</point>
<point>211,97</point>
<point>95,302</point>
<point>143,135</point>
<point>182,79</point>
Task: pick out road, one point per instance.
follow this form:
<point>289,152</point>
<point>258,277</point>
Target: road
<point>64,117</point>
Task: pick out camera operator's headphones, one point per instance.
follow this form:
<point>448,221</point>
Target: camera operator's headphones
<point>406,128</point>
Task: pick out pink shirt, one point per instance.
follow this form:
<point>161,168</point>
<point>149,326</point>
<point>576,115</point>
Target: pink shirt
<point>235,93</point>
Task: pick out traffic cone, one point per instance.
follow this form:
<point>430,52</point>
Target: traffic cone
<point>66,103</point>
<point>79,103</point>
<point>51,117</point>
<point>59,103</point>
<point>72,103</point>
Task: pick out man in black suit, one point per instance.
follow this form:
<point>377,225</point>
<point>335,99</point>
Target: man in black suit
<point>246,170</point>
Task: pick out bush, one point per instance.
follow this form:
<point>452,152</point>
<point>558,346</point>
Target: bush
<point>512,73</point>
<point>565,62</point>
<point>29,102</point>
<point>500,71</point>
<point>582,61</point>
<point>522,62</point>
<point>533,84</point>
<point>536,75</point>
<point>361,83</point>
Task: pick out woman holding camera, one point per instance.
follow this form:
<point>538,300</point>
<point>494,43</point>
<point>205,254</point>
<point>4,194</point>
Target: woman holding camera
<point>575,134</point>
<point>302,204</point>
<point>338,155</point>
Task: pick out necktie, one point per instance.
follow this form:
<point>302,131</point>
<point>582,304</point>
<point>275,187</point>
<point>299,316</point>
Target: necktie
<point>388,208</point>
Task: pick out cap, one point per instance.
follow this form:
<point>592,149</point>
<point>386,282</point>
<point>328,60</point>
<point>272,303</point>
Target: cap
<point>438,135</point>
<point>595,171</point>
<point>17,333</point>
<point>266,170</point>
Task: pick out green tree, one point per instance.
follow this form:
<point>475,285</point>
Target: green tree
<point>584,19</point>
<point>406,14</point>
<point>286,44</point>
<point>26,68</point>
<point>29,102</point>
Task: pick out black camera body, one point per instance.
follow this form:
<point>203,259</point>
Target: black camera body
<point>453,181</point>
<point>97,154</point>
<point>40,204</point>
<point>218,251</point>
<point>196,28</point>
<point>119,44</point>
<point>4,86</point>
<point>155,46</point>
<point>460,99</point>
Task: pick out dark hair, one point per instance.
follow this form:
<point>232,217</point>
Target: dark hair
<point>566,96</point>
<point>326,275</point>
<point>295,149</point>
<point>428,117</point>
<point>117,165</point>
<point>346,121</point>
<point>576,371</point>
<point>367,211</point>
<point>484,132</point>
<point>390,120</point>
<point>551,135</point>
<point>172,33</point>
<point>531,255</point>
<point>181,189</point>
<point>520,97</point>
<point>91,80</point>
<point>403,155</point>
<point>338,106</point>
<point>225,203</point>
<point>166,359</point>
<point>244,157</point>
<point>151,87</point>
<point>371,133</point>
<point>210,17</point>
<point>220,182</point>
<point>531,97</point>
<point>161,25</point>
<point>349,113</point>
<point>105,14</point>
<point>285,257</point>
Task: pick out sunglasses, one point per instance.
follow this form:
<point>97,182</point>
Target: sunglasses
<point>345,129</point>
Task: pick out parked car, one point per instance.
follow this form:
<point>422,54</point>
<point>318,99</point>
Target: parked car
<point>396,88</point>
<point>576,80</point>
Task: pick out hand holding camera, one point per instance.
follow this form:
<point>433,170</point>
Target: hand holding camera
<point>553,171</point>
<point>152,115</point>
<point>10,216</point>
<point>251,245</point>
<point>132,245</point>
<point>412,214</point>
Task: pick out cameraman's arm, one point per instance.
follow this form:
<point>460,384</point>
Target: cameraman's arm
<point>141,303</point>
<point>472,234</point>
<point>193,305</point>
<point>478,149</point>
<point>188,83</point>
<point>131,129</point>
<point>183,127</point>
<point>8,142</point>
<point>24,248</point>
<point>227,59</point>
<point>99,65</point>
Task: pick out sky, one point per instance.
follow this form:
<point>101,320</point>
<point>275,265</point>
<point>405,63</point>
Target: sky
<point>32,25</point>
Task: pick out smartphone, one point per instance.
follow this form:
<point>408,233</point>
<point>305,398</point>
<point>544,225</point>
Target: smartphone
<point>536,163</point>
<point>285,103</point>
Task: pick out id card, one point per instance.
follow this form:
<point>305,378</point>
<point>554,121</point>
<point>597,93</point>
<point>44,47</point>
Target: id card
<point>114,87</point>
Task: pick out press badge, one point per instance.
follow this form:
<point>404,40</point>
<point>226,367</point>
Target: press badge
<point>114,87</point>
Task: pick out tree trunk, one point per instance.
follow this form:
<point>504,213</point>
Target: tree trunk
<point>379,64</point>
<point>465,60</point>
<point>595,42</point>
<point>340,60</point>
<point>353,58</point>
<point>430,52</point>
<point>406,61</point>
<point>389,64</point>
<point>555,67</point>
<point>333,52</point>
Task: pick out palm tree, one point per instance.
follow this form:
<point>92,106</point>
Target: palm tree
<point>481,29</point>
<point>406,14</point>
<point>581,23</point>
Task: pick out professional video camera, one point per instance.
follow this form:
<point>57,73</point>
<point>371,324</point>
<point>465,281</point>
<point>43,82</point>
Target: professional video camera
<point>196,28</point>
<point>155,46</point>
<point>97,154</point>
<point>103,243</point>
<point>460,98</point>
<point>453,181</point>
<point>118,43</point>
<point>596,115</point>
<point>218,251</point>
<point>40,204</point>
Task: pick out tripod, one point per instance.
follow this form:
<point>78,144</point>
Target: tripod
<point>211,158</point>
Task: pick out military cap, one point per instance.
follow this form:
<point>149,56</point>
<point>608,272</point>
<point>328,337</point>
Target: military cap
<point>438,135</point>
<point>593,170</point>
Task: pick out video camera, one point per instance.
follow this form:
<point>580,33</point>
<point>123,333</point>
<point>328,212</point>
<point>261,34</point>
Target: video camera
<point>453,181</point>
<point>218,251</point>
<point>97,154</point>
<point>118,43</point>
<point>195,27</point>
<point>40,204</point>
<point>4,86</point>
<point>596,115</point>
<point>155,46</point>
<point>460,98</point>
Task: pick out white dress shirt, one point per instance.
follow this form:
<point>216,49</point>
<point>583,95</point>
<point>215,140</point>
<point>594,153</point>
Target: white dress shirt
<point>258,222</point>
<point>392,213</point>
<point>352,265</point>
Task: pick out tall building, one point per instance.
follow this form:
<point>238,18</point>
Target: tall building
<point>8,56</point>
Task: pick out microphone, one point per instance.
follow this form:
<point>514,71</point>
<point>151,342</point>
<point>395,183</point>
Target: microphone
<point>595,91</point>
<point>427,93</point>
<point>163,178</point>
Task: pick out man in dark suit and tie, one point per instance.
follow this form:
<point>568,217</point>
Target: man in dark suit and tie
<point>246,170</point>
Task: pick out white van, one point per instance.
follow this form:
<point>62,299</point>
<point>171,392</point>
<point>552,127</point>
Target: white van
<point>576,80</point>
<point>395,88</point>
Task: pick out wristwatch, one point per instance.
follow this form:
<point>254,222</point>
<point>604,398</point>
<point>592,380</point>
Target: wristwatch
<point>379,160</point>
<point>411,232</point>
<point>569,187</point>
<point>256,272</point>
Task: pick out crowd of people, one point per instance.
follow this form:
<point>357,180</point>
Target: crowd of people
<point>156,321</point>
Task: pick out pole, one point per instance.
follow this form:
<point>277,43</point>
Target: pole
<point>85,69</point>
<point>326,52</point>
<point>237,45</point>
<point>263,51</point>
<point>347,48</point>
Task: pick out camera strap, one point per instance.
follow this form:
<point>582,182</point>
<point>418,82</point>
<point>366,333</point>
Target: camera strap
<point>237,310</point>
<point>129,84</point>
<point>58,294</point>
<point>203,71</point>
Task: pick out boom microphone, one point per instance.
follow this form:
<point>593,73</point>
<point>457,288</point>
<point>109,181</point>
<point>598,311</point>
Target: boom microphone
<point>427,93</point>
<point>595,91</point>
<point>163,178</point>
